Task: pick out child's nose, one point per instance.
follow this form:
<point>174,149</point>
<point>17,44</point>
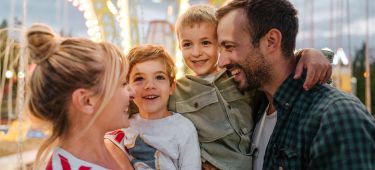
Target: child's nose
<point>196,51</point>
<point>150,84</point>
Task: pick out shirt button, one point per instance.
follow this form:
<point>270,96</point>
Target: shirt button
<point>196,105</point>
<point>286,105</point>
<point>230,107</point>
<point>244,130</point>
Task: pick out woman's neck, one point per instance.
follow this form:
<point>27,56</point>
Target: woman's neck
<point>88,145</point>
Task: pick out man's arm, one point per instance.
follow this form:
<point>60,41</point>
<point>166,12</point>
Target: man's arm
<point>318,66</point>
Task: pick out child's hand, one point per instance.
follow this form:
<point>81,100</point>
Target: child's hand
<point>317,65</point>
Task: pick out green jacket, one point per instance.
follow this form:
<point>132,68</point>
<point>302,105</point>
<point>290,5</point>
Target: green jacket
<point>223,117</point>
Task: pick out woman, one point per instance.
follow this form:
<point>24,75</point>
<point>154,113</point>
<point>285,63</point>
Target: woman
<point>79,87</point>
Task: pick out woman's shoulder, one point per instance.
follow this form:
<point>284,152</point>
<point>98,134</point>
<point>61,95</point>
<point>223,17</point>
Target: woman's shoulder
<point>62,159</point>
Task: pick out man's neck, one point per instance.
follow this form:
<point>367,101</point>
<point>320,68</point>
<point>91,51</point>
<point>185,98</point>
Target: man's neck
<point>279,73</point>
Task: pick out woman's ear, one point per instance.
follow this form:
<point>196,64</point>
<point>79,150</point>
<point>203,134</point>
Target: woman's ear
<point>84,100</point>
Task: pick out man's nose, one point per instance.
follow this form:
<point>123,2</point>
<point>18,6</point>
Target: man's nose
<point>223,60</point>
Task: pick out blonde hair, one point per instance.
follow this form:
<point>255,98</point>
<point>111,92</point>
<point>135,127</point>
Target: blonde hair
<point>140,54</point>
<point>64,65</point>
<point>197,14</point>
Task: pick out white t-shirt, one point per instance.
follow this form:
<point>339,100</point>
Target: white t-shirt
<point>262,135</point>
<point>62,159</point>
<point>168,143</point>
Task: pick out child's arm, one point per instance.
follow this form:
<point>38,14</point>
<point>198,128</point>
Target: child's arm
<point>317,64</point>
<point>119,155</point>
<point>114,142</point>
<point>190,155</point>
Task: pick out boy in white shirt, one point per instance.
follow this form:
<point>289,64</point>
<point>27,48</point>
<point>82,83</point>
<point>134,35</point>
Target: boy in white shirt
<point>157,138</point>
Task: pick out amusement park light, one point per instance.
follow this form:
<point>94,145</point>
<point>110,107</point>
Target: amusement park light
<point>9,74</point>
<point>340,55</point>
<point>365,75</point>
<point>179,64</point>
<point>112,7</point>
<point>92,23</point>
<point>87,14</point>
<point>123,19</point>
<point>184,5</point>
<point>21,75</point>
<point>75,3</point>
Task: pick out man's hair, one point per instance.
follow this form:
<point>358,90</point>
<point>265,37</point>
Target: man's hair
<point>197,14</point>
<point>140,54</point>
<point>263,15</point>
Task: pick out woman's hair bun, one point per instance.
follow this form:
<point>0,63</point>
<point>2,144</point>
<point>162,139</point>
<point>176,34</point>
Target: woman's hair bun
<point>41,42</point>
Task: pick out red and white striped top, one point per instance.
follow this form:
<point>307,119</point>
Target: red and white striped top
<point>63,160</point>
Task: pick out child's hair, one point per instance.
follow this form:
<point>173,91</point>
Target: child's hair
<point>144,53</point>
<point>64,65</point>
<point>196,14</point>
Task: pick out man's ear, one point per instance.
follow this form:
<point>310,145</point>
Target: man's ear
<point>173,87</point>
<point>272,39</point>
<point>84,100</point>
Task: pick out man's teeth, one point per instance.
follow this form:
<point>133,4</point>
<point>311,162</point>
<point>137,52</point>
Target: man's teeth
<point>235,71</point>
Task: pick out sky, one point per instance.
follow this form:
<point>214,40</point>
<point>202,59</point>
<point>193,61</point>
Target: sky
<point>330,22</point>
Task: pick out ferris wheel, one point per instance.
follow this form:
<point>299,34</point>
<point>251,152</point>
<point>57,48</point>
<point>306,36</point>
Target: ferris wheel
<point>106,20</point>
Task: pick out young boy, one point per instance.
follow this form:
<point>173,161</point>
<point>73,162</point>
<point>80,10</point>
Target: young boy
<point>157,138</point>
<point>222,114</point>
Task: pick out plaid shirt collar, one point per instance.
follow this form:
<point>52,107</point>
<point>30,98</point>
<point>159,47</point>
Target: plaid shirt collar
<point>288,93</point>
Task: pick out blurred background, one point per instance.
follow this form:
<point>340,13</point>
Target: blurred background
<point>345,27</point>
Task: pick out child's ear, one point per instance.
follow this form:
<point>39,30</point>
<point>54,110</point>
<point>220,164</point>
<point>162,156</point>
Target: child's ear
<point>84,101</point>
<point>173,87</point>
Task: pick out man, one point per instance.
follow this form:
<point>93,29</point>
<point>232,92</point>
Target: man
<point>322,128</point>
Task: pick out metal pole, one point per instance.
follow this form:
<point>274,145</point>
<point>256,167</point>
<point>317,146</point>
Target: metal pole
<point>367,62</point>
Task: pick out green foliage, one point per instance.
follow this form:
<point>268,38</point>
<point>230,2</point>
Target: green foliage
<point>358,72</point>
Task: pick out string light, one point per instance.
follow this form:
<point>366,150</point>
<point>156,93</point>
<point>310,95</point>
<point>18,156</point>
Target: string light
<point>92,23</point>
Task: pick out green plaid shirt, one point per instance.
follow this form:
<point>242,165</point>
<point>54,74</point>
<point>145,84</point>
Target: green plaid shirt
<point>322,128</point>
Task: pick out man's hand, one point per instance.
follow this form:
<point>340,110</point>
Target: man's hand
<point>318,68</point>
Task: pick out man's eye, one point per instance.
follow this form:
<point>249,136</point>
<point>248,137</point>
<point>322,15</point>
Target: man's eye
<point>227,47</point>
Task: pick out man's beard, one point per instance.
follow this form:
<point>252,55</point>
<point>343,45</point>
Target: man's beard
<point>257,71</point>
